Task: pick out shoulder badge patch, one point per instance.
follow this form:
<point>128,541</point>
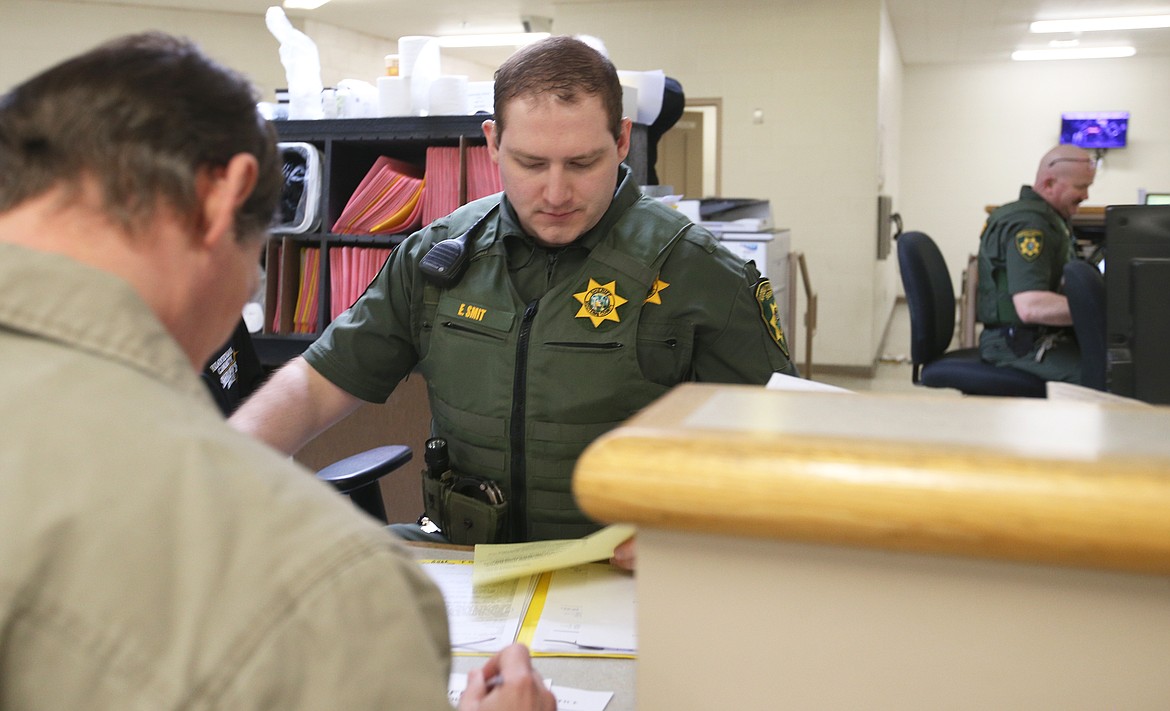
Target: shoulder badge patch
<point>599,302</point>
<point>1030,243</point>
<point>770,314</point>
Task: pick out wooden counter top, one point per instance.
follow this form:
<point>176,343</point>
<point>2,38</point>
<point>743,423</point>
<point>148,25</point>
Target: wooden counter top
<point>1068,483</point>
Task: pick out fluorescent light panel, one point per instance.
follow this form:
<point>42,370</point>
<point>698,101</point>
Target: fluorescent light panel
<point>1145,22</point>
<point>303,4</point>
<point>1023,55</point>
<point>503,39</point>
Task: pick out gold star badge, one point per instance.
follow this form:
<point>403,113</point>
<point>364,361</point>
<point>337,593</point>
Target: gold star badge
<point>599,302</point>
<point>655,290</point>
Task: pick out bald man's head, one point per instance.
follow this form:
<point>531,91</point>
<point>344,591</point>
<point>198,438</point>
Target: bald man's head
<point>1063,178</point>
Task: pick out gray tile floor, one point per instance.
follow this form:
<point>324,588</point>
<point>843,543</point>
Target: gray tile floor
<point>893,370</point>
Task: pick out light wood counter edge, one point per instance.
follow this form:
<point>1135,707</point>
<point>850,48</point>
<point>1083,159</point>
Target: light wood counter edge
<point>886,495</point>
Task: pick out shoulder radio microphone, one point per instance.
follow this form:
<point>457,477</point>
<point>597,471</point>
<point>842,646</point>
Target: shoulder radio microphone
<point>444,264</point>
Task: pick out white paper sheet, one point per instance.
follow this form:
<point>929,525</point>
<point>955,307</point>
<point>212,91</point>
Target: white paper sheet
<point>484,618</point>
<point>568,698</point>
<point>588,608</point>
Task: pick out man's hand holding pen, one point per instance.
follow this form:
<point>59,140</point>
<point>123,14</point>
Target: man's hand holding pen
<point>507,681</point>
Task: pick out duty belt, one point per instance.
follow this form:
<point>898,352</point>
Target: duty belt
<point>1019,331</point>
<point>1022,339</point>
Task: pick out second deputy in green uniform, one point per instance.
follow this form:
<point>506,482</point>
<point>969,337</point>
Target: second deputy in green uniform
<point>1022,253</point>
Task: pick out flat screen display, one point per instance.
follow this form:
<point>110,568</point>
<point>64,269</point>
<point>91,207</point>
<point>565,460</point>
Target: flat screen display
<point>1094,129</point>
<point>1137,289</point>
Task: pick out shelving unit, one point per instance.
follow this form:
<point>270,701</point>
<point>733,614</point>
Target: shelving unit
<point>349,148</point>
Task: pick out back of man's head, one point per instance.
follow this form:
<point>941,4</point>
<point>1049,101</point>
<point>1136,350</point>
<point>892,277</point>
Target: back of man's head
<point>139,116</point>
<point>563,68</point>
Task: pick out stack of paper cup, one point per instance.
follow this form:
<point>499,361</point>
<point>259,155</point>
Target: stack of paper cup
<point>409,48</point>
<point>448,96</point>
<point>394,96</point>
<point>418,60</point>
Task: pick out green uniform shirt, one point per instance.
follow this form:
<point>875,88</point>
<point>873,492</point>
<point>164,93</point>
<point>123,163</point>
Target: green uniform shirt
<point>657,301</point>
<point>1024,247</point>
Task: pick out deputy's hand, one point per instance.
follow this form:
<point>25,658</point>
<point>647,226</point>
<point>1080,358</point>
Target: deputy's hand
<point>515,684</point>
<point>624,555</point>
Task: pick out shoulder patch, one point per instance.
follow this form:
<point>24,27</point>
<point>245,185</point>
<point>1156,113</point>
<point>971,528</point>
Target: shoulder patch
<point>770,314</point>
<point>1030,244</point>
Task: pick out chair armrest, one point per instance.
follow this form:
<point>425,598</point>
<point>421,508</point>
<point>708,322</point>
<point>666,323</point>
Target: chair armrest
<point>364,468</point>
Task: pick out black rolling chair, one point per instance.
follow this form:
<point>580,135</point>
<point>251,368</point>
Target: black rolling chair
<point>355,476</point>
<point>1085,288</point>
<point>930,296</point>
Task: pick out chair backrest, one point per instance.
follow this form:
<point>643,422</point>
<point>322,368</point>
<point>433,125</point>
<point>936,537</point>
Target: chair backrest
<point>1085,288</point>
<point>930,296</point>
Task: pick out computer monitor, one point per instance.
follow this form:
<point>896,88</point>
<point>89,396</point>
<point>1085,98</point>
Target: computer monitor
<point>1137,291</point>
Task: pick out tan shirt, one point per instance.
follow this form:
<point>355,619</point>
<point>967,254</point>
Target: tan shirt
<point>153,558</point>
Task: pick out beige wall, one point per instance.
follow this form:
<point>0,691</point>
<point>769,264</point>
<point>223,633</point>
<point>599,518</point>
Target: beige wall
<point>812,68</point>
<point>974,134</point>
<point>886,284</point>
<point>35,34</point>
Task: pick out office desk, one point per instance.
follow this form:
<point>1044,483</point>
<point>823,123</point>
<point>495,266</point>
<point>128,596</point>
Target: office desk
<point>594,674</point>
<point>834,551</point>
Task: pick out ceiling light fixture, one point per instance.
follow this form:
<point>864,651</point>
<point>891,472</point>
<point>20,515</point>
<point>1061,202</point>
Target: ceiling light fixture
<point>303,4</point>
<point>1145,22</point>
<point>502,39</point>
<point>1024,55</point>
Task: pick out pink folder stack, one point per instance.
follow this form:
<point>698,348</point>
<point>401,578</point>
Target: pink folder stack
<point>305,316</point>
<point>351,269</point>
<point>387,201</point>
<point>483,177</point>
<point>441,196</point>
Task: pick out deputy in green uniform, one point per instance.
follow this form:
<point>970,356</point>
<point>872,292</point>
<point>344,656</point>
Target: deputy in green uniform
<point>581,301</point>
<point>1022,253</point>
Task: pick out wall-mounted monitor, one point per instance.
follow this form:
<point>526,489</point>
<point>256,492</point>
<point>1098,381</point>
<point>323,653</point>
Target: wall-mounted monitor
<point>1094,129</point>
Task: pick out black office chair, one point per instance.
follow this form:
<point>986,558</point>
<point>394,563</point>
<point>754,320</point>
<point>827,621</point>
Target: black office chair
<point>355,476</point>
<point>1085,288</point>
<point>930,296</point>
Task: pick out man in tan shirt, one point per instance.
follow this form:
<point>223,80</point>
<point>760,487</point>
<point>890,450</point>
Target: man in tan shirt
<point>152,557</point>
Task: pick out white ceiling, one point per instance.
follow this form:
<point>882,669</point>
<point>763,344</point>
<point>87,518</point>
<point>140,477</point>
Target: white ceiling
<point>928,31</point>
<point>935,31</point>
